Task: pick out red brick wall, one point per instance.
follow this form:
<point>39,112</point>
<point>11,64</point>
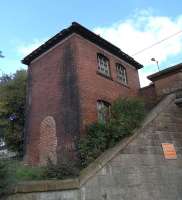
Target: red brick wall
<point>94,86</point>
<point>52,79</point>
<point>64,84</point>
<point>168,83</point>
<point>148,94</point>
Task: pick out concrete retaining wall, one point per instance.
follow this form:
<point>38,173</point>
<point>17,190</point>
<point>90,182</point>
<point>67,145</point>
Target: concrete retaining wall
<point>133,169</point>
<point>139,171</point>
<point>56,195</point>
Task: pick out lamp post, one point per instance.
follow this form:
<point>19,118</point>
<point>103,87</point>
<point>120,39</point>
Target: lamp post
<point>156,61</point>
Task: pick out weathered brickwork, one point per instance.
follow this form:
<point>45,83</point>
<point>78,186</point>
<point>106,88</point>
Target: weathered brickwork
<point>168,80</point>
<point>65,84</point>
<point>163,83</point>
<point>53,91</point>
<point>168,84</point>
<point>48,141</point>
<point>93,86</point>
<point>148,94</point>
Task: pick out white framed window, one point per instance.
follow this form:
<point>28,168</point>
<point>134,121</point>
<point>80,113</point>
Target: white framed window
<point>103,111</point>
<point>121,74</point>
<point>103,65</point>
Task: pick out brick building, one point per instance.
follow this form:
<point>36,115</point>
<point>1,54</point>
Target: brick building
<point>163,83</point>
<point>71,78</point>
<point>168,80</point>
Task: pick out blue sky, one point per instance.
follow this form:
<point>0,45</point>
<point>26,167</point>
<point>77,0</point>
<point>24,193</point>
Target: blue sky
<point>132,25</point>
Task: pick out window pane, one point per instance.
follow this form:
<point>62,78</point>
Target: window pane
<point>103,65</point>
<point>103,111</point>
<point>121,73</point>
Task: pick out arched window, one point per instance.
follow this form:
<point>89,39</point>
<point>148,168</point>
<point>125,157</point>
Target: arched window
<point>103,64</point>
<point>103,111</point>
<point>121,74</point>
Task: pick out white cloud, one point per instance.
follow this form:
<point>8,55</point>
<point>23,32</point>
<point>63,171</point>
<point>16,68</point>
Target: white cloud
<point>144,81</point>
<point>142,30</point>
<point>134,34</point>
<point>25,49</point>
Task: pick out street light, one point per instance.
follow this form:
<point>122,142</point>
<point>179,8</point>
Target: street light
<point>154,60</point>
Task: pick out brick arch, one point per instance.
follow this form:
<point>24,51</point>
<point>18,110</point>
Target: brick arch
<point>48,141</point>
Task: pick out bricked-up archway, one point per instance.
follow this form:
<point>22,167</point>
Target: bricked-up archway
<point>48,141</point>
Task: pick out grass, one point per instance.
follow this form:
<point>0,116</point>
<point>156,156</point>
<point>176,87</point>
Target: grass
<point>14,171</point>
<point>21,172</point>
<point>25,173</point>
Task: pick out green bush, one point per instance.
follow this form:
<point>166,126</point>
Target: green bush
<point>3,177</point>
<point>126,115</point>
<point>64,169</point>
<point>93,144</point>
<point>6,177</point>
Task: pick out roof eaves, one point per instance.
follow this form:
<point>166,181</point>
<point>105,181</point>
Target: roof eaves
<point>165,71</point>
<point>47,45</point>
<point>86,33</point>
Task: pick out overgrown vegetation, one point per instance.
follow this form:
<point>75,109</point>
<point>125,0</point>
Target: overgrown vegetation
<point>3,178</point>
<point>7,178</point>
<point>13,171</point>
<point>12,109</point>
<point>126,115</point>
<point>65,169</point>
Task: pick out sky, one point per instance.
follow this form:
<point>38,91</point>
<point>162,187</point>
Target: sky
<point>132,25</point>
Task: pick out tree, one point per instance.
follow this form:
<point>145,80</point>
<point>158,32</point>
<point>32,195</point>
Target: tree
<point>12,109</point>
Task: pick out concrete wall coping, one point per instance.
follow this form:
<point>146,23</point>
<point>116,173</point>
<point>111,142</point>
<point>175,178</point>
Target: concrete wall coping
<point>99,163</point>
<point>46,185</point>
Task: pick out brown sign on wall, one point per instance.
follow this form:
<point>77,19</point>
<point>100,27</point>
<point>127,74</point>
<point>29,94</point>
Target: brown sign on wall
<point>169,151</point>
